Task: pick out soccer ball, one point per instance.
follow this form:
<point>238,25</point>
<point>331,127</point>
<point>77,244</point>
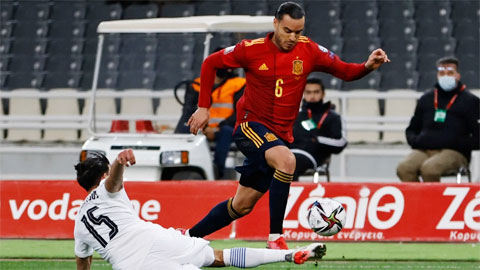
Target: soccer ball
<point>326,217</point>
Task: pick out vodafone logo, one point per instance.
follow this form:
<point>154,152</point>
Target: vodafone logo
<point>63,209</point>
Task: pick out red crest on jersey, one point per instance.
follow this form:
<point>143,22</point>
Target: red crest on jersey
<point>297,67</point>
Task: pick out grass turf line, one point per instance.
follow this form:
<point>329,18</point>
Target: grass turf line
<point>48,254</point>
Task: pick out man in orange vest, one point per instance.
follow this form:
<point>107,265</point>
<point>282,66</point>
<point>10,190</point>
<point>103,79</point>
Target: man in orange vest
<point>227,90</point>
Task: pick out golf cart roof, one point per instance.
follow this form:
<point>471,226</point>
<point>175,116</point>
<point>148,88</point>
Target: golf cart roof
<point>193,24</point>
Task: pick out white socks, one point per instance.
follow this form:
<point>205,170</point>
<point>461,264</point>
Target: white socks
<point>251,257</point>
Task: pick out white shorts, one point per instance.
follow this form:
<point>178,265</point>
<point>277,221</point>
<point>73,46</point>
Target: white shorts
<point>173,250</point>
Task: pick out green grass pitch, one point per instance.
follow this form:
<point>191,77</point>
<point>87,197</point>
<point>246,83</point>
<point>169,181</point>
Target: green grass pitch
<point>58,254</point>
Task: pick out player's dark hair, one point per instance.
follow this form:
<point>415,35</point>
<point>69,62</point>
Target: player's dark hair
<point>448,60</point>
<point>91,170</point>
<point>293,10</point>
<point>317,81</point>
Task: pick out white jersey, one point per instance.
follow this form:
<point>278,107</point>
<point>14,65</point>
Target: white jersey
<point>108,224</point>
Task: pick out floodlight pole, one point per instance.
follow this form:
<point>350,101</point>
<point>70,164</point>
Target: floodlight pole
<point>92,127</point>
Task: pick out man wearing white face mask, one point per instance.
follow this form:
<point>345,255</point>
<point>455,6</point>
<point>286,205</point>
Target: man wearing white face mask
<point>444,129</point>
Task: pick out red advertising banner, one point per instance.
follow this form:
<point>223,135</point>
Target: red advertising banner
<point>379,212</point>
<point>375,211</point>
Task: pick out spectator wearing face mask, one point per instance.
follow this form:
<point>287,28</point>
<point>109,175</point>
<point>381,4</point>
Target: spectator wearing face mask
<point>227,90</point>
<point>444,128</point>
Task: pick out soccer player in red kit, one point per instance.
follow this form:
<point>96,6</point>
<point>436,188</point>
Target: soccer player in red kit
<point>276,69</point>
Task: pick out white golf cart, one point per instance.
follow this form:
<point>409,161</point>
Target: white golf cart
<point>162,156</point>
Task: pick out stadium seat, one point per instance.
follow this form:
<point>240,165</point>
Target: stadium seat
<point>68,11</point>
<point>111,45</point>
<point>105,80</point>
<point>335,101</point>
<point>61,79</point>
<point>24,80</point>
<point>32,11</point>
<point>5,45</point>
<point>136,79</point>
<point>430,28</point>
<point>395,10</point>
<point>66,107</point>
<point>390,29</point>
<point>24,106</point>
<point>358,49</point>
<point>322,12</point>
<point>103,11</point>
<point>109,63</point>
<point>65,63</point>
<point>324,33</point>
<point>427,79</point>
<point>428,62</point>
<point>249,7</point>
<point>65,46</point>
<point>471,79</point>
<point>361,10</point>
<point>104,106</point>
<point>137,62</point>
<point>3,80</point>
<point>468,63</point>
<point>177,9</point>
<point>399,79</point>
<point>359,29</point>
<point>135,103</point>
<point>466,10</point>
<point>4,62</point>
<point>371,81</point>
<point>29,63</point>
<point>436,46</point>
<point>140,11</point>
<point>67,29</point>
<point>399,107</point>
<point>362,107</point>
<point>29,46</point>
<point>7,11</point>
<point>400,46</point>
<point>31,29</point>
<point>170,43</point>
<point>438,10</point>
<point>6,29</point>
<point>138,44</point>
<point>466,29</point>
<point>168,112</point>
<point>209,7</point>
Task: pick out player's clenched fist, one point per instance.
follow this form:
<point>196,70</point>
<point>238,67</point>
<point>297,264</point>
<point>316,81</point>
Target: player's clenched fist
<point>126,157</point>
<point>376,59</point>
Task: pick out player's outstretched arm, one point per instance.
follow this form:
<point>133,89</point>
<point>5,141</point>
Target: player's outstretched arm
<point>114,182</point>
<point>84,263</point>
<point>376,59</point>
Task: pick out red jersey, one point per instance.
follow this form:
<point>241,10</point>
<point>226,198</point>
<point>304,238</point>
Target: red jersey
<point>275,79</point>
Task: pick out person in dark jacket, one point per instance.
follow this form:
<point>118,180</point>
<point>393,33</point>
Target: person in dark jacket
<point>444,128</point>
<point>317,131</point>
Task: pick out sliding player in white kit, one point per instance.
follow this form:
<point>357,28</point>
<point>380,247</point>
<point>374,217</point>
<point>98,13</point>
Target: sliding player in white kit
<point>108,224</point>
